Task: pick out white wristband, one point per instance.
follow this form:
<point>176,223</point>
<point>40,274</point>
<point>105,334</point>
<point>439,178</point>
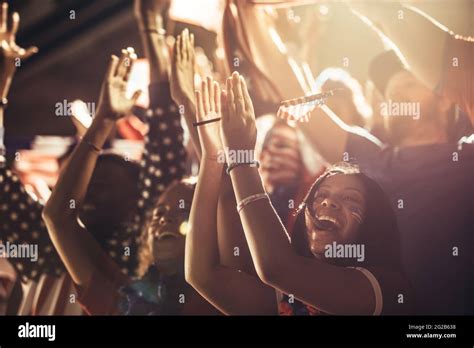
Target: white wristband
<point>251,199</point>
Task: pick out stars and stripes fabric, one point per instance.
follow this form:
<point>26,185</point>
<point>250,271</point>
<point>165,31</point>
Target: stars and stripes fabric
<point>299,109</point>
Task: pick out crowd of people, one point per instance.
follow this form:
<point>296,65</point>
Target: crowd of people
<point>355,209</point>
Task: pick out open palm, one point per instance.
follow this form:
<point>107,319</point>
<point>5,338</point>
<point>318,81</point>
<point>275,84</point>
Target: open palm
<point>182,69</point>
<point>209,108</point>
<point>113,102</point>
<point>9,50</point>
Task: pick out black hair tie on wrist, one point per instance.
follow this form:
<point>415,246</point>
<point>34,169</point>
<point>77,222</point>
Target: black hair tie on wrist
<point>200,123</point>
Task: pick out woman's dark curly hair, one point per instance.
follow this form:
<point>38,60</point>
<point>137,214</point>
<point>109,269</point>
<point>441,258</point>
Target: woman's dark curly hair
<point>113,239</point>
<point>145,256</point>
<point>378,231</point>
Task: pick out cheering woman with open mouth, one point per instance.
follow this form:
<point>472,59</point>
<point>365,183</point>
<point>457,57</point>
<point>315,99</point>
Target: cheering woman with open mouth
<point>297,275</point>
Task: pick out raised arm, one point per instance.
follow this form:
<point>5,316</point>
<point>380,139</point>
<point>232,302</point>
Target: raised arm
<point>9,53</point>
<point>439,58</point>
<point>229,290</point>
<point>20,213</point>
<point>234,252</point>
<point>164,155</point>
<point>152,34</point>
<point>76,247</point>
<point>334,290</point>
<point>182,82</point>
<point>149,15</point>
<point>329,135</point>
<point>420,38</point>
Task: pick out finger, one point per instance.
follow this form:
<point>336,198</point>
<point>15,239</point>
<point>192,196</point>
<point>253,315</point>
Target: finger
<point>177,49</point>
<point>179,45</point>
<point>280,113</point>
<point>238,97</point>
<point>136,95</point>
<point>4,17</point>
<point>247,99</point>
<point>190,50</point>
<point>205,96</point>
<point>184,55</point>
<point>122,68</point>
<point>217,97</point>
<point>112,67</point>
<point>230,96</point>
<point>210,89</point>
<point>29,52</point>
<point>15,23</point>
<point>225,109</point>
<point>199,107</point>
<point>133,58</point>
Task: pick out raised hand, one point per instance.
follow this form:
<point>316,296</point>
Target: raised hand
<point>182,69</point>
<point>238,117</point>
<point>208,101</point>
<point>10,52</point>
<point>113,102</point>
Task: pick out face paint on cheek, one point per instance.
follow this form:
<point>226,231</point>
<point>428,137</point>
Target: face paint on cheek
<point>357,216</point>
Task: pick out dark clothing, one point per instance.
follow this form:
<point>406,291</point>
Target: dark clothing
<point>162,163</point>
<point>431,191</point>
<point>457,75</point>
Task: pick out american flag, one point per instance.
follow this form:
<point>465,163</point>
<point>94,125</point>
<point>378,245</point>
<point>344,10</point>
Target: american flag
<point>299,109</point>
